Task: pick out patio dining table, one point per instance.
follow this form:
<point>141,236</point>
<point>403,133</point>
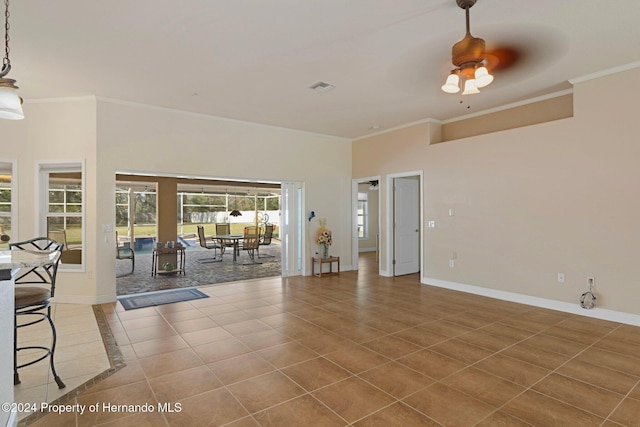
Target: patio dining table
<point>233,237</point>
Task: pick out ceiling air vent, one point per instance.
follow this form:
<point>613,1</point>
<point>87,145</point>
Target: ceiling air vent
<point>321,87</point>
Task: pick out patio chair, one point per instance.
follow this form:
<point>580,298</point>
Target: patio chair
<point>265,240</point>
<point>125,252</point>
<point>35,301</point>
<point>71,254</point>
<point>250,243</point>
<point>208,245</point>
<point>251,230</point>
<point>224,228</point>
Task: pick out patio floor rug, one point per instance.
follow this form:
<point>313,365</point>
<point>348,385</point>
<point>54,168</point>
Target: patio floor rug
<point>158,298</point>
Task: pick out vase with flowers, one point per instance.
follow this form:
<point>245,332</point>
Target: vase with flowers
<point>324,238</point>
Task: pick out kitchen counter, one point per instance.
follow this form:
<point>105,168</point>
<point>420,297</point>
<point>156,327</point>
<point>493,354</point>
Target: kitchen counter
<point>12,261</point>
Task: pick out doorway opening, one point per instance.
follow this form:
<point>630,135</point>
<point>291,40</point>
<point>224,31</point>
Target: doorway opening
<point>198,202</point>
<point>366,219</point>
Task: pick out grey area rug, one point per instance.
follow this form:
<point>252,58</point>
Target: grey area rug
<point>160,298</point>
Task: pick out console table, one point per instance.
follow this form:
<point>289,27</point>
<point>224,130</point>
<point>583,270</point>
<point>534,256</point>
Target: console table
<point>321,261</point>
<point>156,268</point>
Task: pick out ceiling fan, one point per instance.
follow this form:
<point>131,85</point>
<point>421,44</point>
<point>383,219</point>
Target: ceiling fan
<point>473,63</point>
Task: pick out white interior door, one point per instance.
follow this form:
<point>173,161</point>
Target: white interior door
<point>406,225</point>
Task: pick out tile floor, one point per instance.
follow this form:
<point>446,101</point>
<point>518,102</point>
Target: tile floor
<point>80,354</point>
<point>362,350</point>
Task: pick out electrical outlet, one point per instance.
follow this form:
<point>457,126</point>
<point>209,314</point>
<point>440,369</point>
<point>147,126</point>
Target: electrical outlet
<point>452,263</point>
<point>560,277</point>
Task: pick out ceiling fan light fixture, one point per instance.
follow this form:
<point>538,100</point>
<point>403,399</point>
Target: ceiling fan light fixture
<point>470,87</point>
<point>482,77</point>
<point>452,85</point>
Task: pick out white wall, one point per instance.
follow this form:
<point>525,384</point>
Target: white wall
<point>532,202</point>
<point>55,132</point>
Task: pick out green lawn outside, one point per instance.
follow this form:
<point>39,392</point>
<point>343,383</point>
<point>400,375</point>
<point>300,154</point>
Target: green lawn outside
<point>186,229</point>
<point>74,235</point>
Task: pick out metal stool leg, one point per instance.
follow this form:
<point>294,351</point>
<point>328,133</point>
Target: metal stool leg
<point>49,351</point>
<point>53,349</point>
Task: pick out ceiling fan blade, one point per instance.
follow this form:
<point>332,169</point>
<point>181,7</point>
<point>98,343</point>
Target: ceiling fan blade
<point>502,58</point>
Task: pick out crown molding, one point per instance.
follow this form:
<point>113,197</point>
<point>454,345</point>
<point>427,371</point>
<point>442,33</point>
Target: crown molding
<point>510,106</point>
<point>226,119</point>
<point>61,99</point>
<point>607,72</point>
<point>395,128</point>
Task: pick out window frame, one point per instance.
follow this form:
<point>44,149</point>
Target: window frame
<point>44,169</point>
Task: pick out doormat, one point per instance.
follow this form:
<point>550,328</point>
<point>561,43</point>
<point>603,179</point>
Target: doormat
<point>160,298</point>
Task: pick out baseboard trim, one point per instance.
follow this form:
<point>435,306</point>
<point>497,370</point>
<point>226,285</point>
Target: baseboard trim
<point>367,250</point>
<point>77,299</point>
<point>598,313</point>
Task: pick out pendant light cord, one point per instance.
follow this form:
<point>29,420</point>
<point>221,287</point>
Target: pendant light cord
<point>6,63</point>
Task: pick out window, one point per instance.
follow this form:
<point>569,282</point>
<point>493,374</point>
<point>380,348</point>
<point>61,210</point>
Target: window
<point>62,190</point>
<point>363,215</point>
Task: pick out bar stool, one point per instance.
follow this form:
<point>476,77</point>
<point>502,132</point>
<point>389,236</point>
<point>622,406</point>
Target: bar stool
<point>36,301</point>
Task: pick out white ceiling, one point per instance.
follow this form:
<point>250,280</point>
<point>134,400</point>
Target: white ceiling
<point>254,60</point>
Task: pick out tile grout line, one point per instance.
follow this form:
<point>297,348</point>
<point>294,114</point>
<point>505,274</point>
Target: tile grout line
<point>628,394</point>
<point>530,388</point>
<point>115,360</point>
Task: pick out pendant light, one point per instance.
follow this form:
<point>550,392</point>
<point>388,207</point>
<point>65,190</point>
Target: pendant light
<point>235,211</point>
<point>10,102</point>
